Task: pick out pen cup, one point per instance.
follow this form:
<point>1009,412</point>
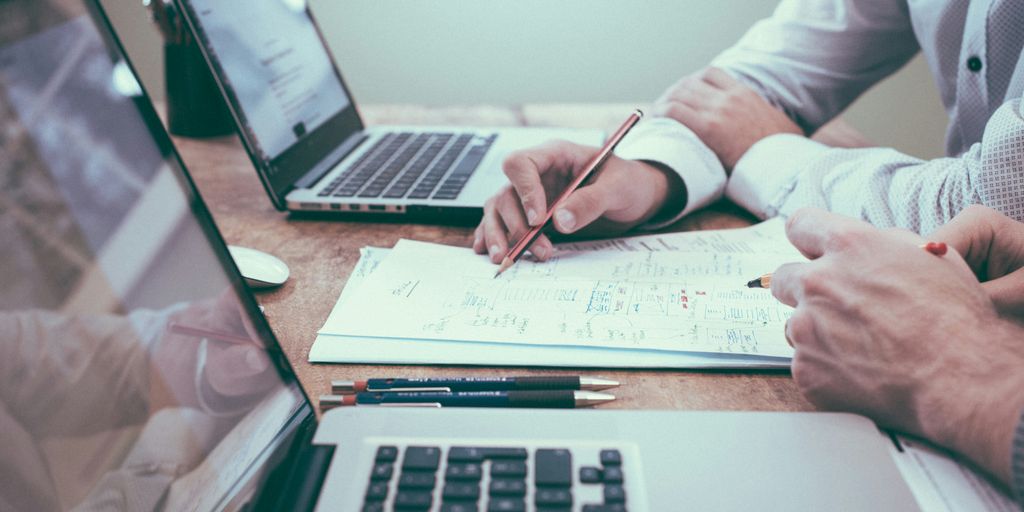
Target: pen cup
<point>195,107</point>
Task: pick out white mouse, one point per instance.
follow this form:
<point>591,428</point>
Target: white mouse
<point>259,269</point>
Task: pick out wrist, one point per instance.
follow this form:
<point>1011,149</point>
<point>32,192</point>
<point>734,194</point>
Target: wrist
<point>976,408</point>
<point>669,192</point>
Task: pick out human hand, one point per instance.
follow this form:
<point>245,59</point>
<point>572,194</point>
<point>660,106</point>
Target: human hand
<point>909,339</point>
<point>196,371</point>
<point>727,116</point>
<point>623,193</point>
<point>993,246</point>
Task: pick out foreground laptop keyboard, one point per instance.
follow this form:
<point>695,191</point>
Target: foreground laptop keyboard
<point>489,479</point>
<point>417,166</point>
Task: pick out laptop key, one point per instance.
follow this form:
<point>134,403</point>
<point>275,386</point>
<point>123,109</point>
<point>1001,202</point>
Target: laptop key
<point>614,494</point>
<point>508,468</point>
<point>382,471</point>
<point>474,454</point>
<point>377,491</point>
<point>507,487</point>
<point>373,507</point>
<point>417,480</point>
<point>413,500</point>
<point>421,458</point>
<point>506,505</point>
<point>553,468</point>
<point>459,506</point>
<point>613,475</point>
<point>611,458</point>
<point>461,491</point>
<point>386,454</point>
<point>553,498</point>
<point>604,508</point>
<point>464,471</point>
<point>590,475</point>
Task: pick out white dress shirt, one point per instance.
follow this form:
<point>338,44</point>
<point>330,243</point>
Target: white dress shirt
<point>812,58</point>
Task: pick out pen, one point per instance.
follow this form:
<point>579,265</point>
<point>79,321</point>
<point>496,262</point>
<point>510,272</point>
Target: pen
<point>340,387</point>
<point>517,250</point>
<point>563,399</point>
<point>765,281</point>
<point>198,332</point>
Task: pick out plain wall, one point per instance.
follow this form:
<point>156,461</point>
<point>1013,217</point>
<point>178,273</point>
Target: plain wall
<point>459,52</point>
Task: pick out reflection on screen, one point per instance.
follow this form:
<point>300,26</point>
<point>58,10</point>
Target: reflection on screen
<point>131,377</point>
<point>275,64</point>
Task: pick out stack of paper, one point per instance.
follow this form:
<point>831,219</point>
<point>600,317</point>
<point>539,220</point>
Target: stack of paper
<point>676,300</point>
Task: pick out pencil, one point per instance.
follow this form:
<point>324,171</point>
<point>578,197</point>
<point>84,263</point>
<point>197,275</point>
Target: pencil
<point>517,250</point>
<point>198,332</point>
<point>765,281</point>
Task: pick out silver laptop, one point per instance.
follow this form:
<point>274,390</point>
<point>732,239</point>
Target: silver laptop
<point>139,373</point>
<point>301,127</point>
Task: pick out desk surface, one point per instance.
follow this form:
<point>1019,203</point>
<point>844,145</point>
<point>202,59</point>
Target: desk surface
<point>321,254</point>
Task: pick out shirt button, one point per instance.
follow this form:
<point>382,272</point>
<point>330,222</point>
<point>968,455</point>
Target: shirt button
<point>974,64</point>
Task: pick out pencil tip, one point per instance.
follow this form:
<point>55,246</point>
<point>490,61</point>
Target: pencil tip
<point>505,264</point>
<point>754,283</point>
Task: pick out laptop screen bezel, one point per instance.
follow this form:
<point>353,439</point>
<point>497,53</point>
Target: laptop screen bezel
<point>280,174</point>
<point>242,490</point>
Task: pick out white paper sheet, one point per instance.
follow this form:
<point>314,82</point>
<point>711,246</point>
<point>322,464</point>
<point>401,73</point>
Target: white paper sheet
<point>345,349</point>
<point>678,292</point>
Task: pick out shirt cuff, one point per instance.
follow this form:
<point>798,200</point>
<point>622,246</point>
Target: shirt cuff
<point>669,143</point>
<point>767,173</point>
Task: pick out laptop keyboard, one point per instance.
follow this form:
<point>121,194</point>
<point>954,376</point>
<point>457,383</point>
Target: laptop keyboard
<point>417,166</point>
<point>492,479</point>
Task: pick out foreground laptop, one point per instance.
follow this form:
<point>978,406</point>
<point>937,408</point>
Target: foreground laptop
<point>303,132</point>
<point>137,372</point>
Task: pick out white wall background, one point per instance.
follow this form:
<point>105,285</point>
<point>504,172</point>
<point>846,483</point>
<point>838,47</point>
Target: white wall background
<point>457,52</point>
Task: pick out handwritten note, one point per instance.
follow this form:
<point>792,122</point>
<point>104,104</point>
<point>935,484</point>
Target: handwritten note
<point>678,292</point>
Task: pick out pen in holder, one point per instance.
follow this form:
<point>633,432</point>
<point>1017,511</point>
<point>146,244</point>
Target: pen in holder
<point>195,107</point>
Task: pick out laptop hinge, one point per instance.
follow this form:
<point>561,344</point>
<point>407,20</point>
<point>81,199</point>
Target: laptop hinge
<point>330,161</point>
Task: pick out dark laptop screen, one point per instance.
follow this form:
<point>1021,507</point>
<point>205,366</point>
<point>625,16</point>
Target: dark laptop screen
<point>135,371</point>
<point>290,103</point>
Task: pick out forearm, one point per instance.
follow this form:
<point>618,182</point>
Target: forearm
<point>780,174</point>
<point>91,369</point>
<point>812,58</point>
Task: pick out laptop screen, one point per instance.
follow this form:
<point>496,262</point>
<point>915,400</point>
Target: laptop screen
<point>288,99</point>
<point>135,370</point>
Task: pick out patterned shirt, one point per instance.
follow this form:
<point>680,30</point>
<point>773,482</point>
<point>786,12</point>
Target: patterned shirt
<point>812,58</point>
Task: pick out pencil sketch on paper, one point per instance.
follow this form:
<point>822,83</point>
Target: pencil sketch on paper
<point>681,292</point>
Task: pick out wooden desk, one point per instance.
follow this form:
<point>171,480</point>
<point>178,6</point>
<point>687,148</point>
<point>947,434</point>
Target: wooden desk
<point>321,255</point>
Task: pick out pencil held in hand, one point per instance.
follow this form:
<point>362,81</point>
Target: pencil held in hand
<point>517,250</point>
<point>765,281</point>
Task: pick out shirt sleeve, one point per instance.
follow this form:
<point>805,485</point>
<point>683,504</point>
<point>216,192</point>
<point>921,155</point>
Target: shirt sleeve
<point>668,143</point>
<point>782,173</point>
<point>812,58</point>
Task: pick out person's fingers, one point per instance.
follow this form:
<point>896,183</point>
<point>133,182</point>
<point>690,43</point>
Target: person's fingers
<point>589,203</point>
<point>231,369</point>
<point>991,243</point>
<point>1007,293</point>
<point>512,216</point>
<point>971,233</point>
<point>693,92</point>
<point>542,248</point>
<point>814,232</point>
<point>495,240</point>
<point>787,283</point>
<point>718,78</point>
<point>478,240</point>
<point>685,114</point>
<point>525,168</point>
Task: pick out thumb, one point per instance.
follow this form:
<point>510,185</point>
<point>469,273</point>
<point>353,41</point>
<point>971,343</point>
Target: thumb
<point>585,206</point>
